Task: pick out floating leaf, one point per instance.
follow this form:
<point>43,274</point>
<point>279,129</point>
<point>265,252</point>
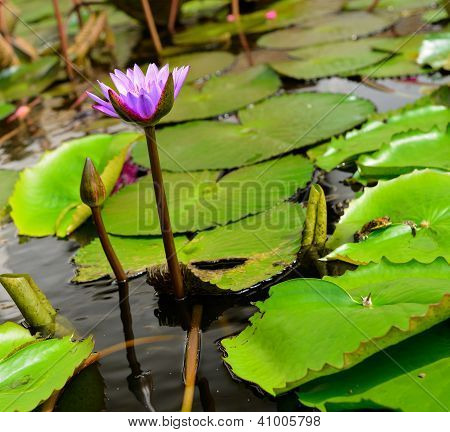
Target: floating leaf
<point>420,198</point>
<point>46,198</point>
<point>396,66</point>
<point>309,328</point>
<point>223,94</point>
<point>435,51</point>
<point>399,5</point>
<point>410,376</point>
<point>8,179</point>
<point>374,134</point>
<point>32,369</point>
<point>261,246</point>
<point>200,200</point>
<point>330,59</point>
<point>408,151</point>
<point>288,12</point>
<point>276,126</point>
<point>27,80</point>
<point>349,25</point>
<point>202,64</point>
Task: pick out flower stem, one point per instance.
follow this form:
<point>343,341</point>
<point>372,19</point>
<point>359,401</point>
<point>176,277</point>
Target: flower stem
<point>152,26</point>
<point>163,212</point>
<point>242,37</point>
<point>191,358</point>
<point>107,246</point>
<point>63,39</point>
<point>174,5</point>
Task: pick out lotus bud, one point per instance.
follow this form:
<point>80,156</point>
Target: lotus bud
<point>92,189</point>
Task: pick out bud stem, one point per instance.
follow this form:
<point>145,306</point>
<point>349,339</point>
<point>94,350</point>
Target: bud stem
<point>174,5</point>
<point>235,11</point>
<point>163,212</point>
<point>107,246</point>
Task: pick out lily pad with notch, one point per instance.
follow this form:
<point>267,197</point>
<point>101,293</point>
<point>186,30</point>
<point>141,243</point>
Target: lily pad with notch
<point>203,199</point>
<point>251,250</point>
<point>310,328</point>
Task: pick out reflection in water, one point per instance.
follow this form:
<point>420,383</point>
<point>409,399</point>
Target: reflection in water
<point>140,383</point>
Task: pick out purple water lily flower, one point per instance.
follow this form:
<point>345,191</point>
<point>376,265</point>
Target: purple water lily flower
<point>142,99</point>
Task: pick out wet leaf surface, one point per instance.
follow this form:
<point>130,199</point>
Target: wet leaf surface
<point>309,328</point>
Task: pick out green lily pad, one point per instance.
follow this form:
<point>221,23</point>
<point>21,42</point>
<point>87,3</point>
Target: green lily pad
<point>309,328</point>
<point>28,79</point>
<point>32,369</point>
<point>8,179</point>
<point>276,126</point>
<point>330,59</point>
<point>434,15</point>
<point>399,5</point>
<point>435,51</point>
<point>419,197</point>
<point>195,9</point>
<point>224,94</point>
<point>200,200</point>
<point>408,151</point>
<point>261,245</point>
<point>410,376</point>
<point>371,136</point>
<point>203,64</point>
<point>46,199</point>
<point>348,25</point>
<point>6,109</point>
<point>288,12</point>
<point>397,66</point>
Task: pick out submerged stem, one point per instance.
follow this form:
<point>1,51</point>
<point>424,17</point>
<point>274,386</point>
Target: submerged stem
<point>191,358</point>
<point>107,246</point>
<point>163,213</point>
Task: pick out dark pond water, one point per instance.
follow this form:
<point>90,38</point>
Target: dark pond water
<point>152,373</point>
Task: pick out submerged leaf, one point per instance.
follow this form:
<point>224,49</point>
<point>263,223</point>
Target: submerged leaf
<point>224,94</point>
<point>375,133</point>
<point>410,376</point>
<point>32,369</point>
<point>309,328</point>
<point>261,246</point>
<point>419,212</point>
<point>200,200</point>
<point>46,198</point>
<point>276,126</point>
